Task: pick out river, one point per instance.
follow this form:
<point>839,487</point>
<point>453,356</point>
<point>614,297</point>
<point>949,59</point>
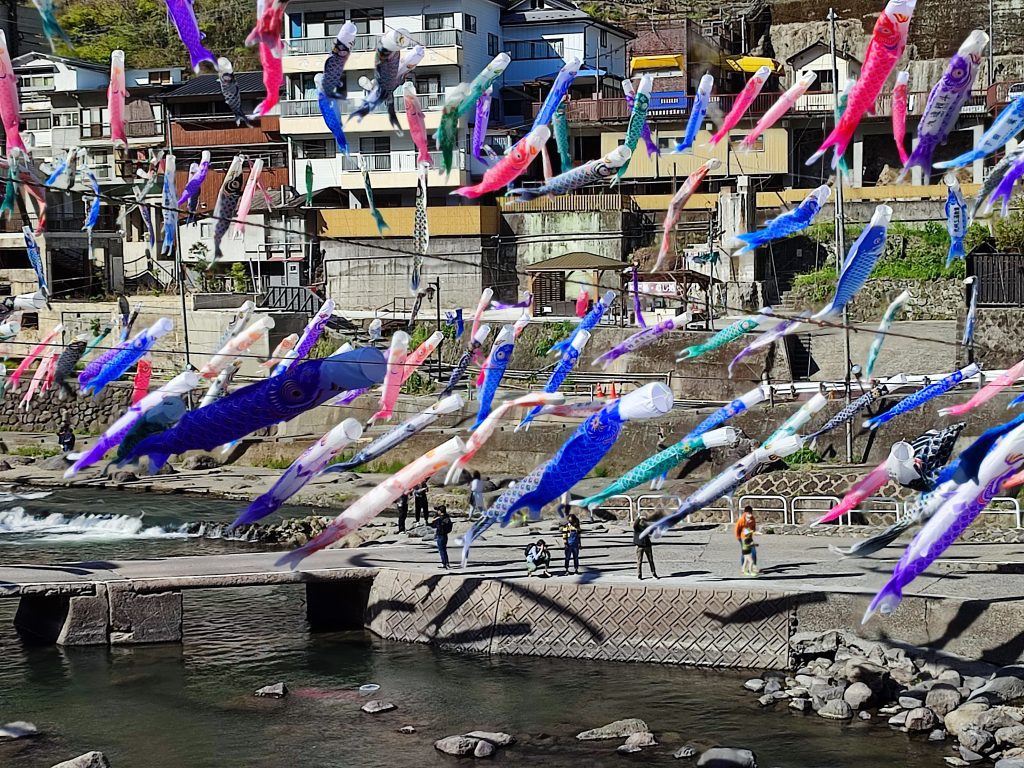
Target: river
<point>191,705</point>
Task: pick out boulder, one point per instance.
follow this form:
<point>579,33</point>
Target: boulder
<point>859,669</point>
<point>122,476</point>
<point>275,691</point>
<point>1012,735</point>
<point>857,695</point>
<point>997,717</point>
<point>800,705</point>
<point>764,701</point>
<point>814,643</point>
<point>88,760</point>
<point>627,749</point>
<point>908,701</point>
<point>772,685</point>
<point>18,729</point>
<point>920,719</point>
<point>727,757</point>
<point>964,715</point>
<point>460,746</point>
<point>937,735</point>
<point>827,692</point>
<point>899,719</point>
<point>620,729</point>
<point>375,707</point>
<point>754,685</point>
<point>836,709</point>
<point>483,749</point>
<point>976,739</point>
<point>1005,687</point>
<point>685,752</point>
<point>645,739</point>
<point>1010,762</point>
<point>970,756</point>
<point>497,738</point>
<point>974,682</point>
<point>943,699</point>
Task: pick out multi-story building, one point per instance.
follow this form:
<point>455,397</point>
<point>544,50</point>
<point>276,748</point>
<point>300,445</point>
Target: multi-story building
<point>64,107</point>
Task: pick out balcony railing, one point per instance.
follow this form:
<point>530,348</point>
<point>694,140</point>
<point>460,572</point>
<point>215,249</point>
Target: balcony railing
<point>137,129</point>
<point>431,102</point>
<point>673,106</point>
<point>400,162</point>
<point>430,38</point>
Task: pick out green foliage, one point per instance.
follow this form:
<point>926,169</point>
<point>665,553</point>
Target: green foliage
<point>39,451</point>
<point>273,463</point>
<point>142,29</point>
<point>239,277</point>
<point>1009,231</point>
<point>551,333</point>
<point>600,471</point>
<point>96,326</point>
<point>418,335</point>
<point>911,253</point>
<point>418,384</point>
<point>324,346</point>
<point>805,455</point>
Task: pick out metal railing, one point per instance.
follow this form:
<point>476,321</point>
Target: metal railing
<point>431,102</point>
<point>136,129</point>
<point>318,46</point>
<point>290,298</point>
<point>766,504</point>
<point>1005,501</point>
<point>403,161</point>
<point>618,503</point>
<point>816,505</point>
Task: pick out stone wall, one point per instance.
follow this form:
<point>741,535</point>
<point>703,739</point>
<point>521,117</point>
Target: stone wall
<point>998,340</point>
<point>930,299</point>
<point>87,415</point>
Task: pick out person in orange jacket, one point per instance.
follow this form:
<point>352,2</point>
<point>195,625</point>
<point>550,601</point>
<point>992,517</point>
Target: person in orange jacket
<point>748,522</point>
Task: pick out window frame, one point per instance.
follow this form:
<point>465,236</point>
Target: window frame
<point>469,23</point>
<point>441,18</point>
<point>493,44</point>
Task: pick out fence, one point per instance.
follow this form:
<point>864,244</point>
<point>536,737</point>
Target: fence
<point>319,46</point>
<point>1000,278</point>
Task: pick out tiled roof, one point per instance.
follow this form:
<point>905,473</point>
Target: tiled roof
<point>207,85</point>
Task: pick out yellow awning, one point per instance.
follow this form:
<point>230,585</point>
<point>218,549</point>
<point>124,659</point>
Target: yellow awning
<point>752,63</point>
<point>665,61</point>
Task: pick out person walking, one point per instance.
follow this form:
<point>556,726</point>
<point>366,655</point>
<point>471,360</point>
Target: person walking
<point>747,521</point>
<point>403,511</point>
<point>442,526</point>
<point>572,532</point>
<point>419,500</point>
<point>644,548</point>
<point>476,494</point>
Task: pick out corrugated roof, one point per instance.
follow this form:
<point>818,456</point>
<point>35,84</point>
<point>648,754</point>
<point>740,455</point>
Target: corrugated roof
<point>569,262</point>
<point>207,85</point>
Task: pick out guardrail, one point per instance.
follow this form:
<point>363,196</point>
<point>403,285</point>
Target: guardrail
<point>319,46</point>
<point>758,502</point>
<point>817,505</point>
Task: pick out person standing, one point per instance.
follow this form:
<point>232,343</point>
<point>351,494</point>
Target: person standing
<point>419,499</point>
<point>403,511</point>
<point>746,520</point>
<point>747,548</point>
<point>476,494</point>
<point>572,533</point>
<point>66,438</point>
<point>644,548</point>
<point>442,526</point>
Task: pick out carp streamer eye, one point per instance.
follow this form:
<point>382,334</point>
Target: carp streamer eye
<point>291,392</point>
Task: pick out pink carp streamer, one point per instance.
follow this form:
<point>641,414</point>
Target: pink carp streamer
<point>742,103</point>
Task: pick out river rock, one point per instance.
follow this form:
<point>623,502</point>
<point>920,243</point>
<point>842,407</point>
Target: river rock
<point>1012,735</point>
<point>497,738</point>
<point>899,719</point>
<point>200,461</point>
<point>460,746</point>
<point>754,685</point>
<point>645,739</point>
<point>275,691</point>
<point>685,752</point>
<point>937,735</point>
<point>865,671</point>
<point>122,476</point>
<point>974,682</point>
<point>964,715</point>
<point>407,729</point>
<point>910,700</point>
<point>627,749</point>
<point>800,705</point>
<point>376,706</point>
<point>836,709</point>
<point>1010,762</point>
<point>19,729</point>
<point>920,719</point>
<point>864,715</point>
<point>943,699</point>
<point>483,749</point>
<point>857,695</point>
<point>975,739</point>
<point>814,643</point>
<point>620,729</point>
<point>764,701</point>
<point>88,760</point>
<point>772,685</point>
<point>997,717</point>
<point>1005,687</point>
<point>727,757</point>
<point>970,756</point>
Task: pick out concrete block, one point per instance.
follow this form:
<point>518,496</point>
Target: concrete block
<point>145,618</point>
<point>88,620</point>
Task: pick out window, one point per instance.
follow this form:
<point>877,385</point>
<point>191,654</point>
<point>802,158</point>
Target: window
<point>30,320</point>
<point>604,38</point>
<point>324,23</point>
<point>736,141</point>
<point>160,76</point>
<point>65,119</point>
<point>824,80</point>
<point>301,86</point>
<point>428,84</point>
<point>492,44</point>
<point>317,149</point>
<point>439,21</point>
<point>469,22</point>
<point>206,230</point>
<point>375,145</point>
<point>36,82</point>
<point>37,123</point>
<point>668,143</point>
<point>368,21</point>
<point>525,50</point>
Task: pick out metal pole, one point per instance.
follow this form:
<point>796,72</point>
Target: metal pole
<point>991,44</point>
<point>177,251</point>
<point>437,306</point>
<point>840,224</point>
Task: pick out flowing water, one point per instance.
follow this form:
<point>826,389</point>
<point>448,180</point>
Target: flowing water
<point>191,705</point>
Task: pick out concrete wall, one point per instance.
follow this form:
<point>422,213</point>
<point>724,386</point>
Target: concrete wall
<point>541,236</point>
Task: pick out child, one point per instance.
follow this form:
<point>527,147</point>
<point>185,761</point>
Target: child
<point>747,544</point>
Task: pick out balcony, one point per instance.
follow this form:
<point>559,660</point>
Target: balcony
<point>321,46</point>
<point>388,170</point>
<point>676,106</point>
<point>134,130</point>
<point>431,102</point>
<point>398,162</point>
<point>442,221</point>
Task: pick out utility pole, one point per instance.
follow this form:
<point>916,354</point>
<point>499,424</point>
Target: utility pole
<point>436,282</point>
<point>840,224</point>
<point>991,44</point>
<point>177,250</point>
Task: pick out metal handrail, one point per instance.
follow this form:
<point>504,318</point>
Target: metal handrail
<point>319,46</point>
<point>431,102</point>
<point>830,501</point>
<point>625,502</point>
<point>745,500</point>
<point>1015,511</point>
